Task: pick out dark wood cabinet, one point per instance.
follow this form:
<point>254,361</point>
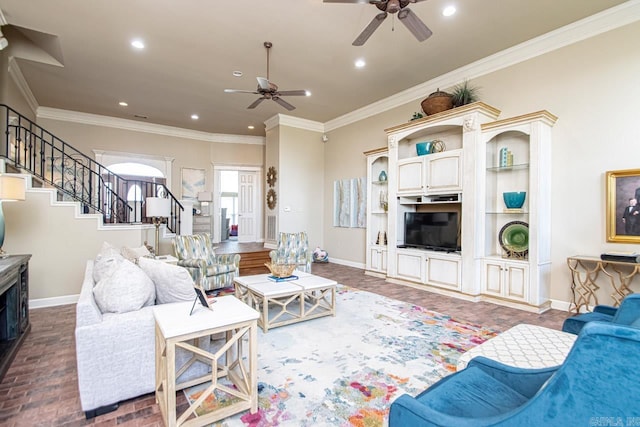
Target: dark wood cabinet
<point>14,307</point>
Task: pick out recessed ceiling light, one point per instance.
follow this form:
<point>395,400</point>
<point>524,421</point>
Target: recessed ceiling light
<point>307,93</point>
<point>449,10</point>
<point>360,63</point>
<point>138,44</point>
<point>251,127</point>
<point>195,116</point>
<point>237,74</point>
<point>123,104</point>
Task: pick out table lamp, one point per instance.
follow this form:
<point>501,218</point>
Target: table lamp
<point>158,208</point>
<point>12,189</point>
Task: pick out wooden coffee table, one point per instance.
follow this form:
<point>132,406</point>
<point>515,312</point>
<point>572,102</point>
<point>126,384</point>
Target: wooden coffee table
<point>284,303</point>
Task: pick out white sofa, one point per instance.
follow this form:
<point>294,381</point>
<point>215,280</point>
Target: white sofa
<point>116,351</point>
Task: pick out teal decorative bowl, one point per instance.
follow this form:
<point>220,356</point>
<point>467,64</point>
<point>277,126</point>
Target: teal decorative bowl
<point>514,199</point>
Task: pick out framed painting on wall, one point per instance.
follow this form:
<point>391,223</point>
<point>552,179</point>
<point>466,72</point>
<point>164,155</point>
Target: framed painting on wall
<point>623,207</point>
<point>192,183</point>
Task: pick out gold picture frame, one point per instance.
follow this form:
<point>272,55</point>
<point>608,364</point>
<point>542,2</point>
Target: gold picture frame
<point>623,207</point>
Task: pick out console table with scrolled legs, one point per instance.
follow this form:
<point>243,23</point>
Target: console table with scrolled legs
<point>584,272</point>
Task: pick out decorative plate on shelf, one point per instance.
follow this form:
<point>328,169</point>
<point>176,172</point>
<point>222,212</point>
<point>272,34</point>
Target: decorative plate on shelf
<point>514,238</point>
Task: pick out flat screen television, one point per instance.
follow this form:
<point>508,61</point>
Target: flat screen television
<point>431,230</point>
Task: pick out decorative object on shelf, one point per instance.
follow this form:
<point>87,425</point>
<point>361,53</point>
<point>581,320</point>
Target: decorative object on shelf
<point>416,116</point>
<point>382,238</point>
<point>436,102</point>
<point>158,209</point>
<point>12,189</point>
<point>320,255</point>
<point>623,207</point>
<point>382,176</point>
<point>430,147</point>
<point>463,94</point>
<point>272,199</point>
<point>384,200</point>
<point>514,239</point>
<point>272,176</point>
<point>514,199</point>
<point>280,270</point>
<point>506,158</point>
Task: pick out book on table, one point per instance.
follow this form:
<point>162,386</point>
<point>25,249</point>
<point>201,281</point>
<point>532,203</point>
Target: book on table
<point>633,257</point>
<point>282,279</point>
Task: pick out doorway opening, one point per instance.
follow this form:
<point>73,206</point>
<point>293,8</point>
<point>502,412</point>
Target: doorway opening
<point>229,205</point>
<point>237,207</point>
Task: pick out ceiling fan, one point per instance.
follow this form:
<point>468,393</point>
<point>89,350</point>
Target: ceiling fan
<point>410,20</point>
<point>269,90</point>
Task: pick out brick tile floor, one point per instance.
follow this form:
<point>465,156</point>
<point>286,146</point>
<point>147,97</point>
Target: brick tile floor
<point>41,388</point>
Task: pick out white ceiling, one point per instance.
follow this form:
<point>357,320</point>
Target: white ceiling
<point>193,46</point>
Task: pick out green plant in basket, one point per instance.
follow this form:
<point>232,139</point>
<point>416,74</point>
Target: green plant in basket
<point>464,93</point>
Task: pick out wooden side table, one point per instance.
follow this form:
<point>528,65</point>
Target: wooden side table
<point>175,328</point>
<point>584,272</point>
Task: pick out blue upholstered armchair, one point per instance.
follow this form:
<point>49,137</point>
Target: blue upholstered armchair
<point>626,314</point>
<point>600,379</point>
<point>211,271</point>
<point>293,248</point>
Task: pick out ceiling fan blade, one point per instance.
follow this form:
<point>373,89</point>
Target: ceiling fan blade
<point>292,93</point>
<point>366,33</point>
<point>263,83</point>
<point>414,24</point>
<point>284,103</point>
<point>256,103</point>
<point>241,91</point>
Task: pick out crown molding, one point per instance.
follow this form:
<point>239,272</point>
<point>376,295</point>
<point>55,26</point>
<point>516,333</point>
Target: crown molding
<point>18,78</point>
<point>125,124</point>
<point>610,19</point>
<point>294,122</point>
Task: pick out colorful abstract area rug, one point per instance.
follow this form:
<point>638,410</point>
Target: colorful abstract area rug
<point>346,370</point>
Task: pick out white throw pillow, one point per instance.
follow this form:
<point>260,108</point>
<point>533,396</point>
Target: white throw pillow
<point>128,288</point>
<point>134,254</point>
<point>173,283</point>
<point>106,262</point>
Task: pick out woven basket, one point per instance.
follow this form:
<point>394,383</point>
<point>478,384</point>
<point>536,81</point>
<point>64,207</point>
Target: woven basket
<point>436,102</point>
<point>281,270</point>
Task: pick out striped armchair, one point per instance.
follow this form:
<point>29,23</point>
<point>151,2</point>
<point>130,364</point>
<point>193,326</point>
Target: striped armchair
<point>211,271</point>
<point>293,248</point>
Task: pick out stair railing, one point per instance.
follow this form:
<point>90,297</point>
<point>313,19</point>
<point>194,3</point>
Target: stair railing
<point>30,148</point>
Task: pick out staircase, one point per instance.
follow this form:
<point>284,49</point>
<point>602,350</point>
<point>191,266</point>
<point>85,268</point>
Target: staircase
<point>29,149</point>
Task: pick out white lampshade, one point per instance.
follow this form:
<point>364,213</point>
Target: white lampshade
<point>205,196</point>
<point>11,188</point>
<point>158,207</point>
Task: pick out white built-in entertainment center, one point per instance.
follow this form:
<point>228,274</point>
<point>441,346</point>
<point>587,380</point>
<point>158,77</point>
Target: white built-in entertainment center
<point>503,254</point>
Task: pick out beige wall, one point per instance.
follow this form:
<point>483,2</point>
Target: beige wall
<point>592,87</point>
<point>272,159</point>
<point>59,243</point>
<point>301,175</point>
<point>186,152</point>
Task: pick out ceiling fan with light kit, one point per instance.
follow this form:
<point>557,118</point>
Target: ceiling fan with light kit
<point>410,20</point>
<point>269,90</point>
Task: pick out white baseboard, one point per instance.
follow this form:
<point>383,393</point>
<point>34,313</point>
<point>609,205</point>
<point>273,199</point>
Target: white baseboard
<point>54,301</point>
<point>347,263</point>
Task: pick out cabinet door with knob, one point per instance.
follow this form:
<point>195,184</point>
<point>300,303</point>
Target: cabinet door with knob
<point>505,279</point>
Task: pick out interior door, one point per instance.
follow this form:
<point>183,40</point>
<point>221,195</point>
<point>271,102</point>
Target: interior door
<point>247,206</point>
